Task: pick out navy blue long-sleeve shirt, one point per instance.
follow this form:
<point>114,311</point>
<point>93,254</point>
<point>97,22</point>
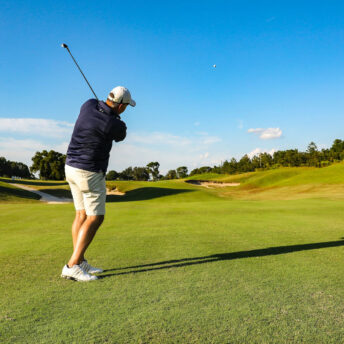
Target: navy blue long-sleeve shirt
<point>95,129</point>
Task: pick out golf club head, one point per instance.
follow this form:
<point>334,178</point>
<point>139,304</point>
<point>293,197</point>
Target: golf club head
<point>64,45</point>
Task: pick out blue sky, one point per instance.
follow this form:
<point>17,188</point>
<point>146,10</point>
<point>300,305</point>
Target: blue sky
<point>278,81</point>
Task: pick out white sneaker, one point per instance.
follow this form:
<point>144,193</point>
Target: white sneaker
<point>77,273</point>
<point>90,269</point>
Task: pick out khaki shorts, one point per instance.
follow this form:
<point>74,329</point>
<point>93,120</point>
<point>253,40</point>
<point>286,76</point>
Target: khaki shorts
<point>88,190</point>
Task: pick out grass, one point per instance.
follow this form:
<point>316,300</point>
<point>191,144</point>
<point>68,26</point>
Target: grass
<point>184,264</point>
<point>283,183</point>
<point>10,193</point>
<point>200,272</point>
<point>54,188</point>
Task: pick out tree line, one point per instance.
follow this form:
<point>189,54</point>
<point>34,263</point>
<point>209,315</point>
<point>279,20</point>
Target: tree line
<point>148,172</point>
<point>282,158</point>
<point>287,158</point>
<point>13,169</point>
<point>50,165</point>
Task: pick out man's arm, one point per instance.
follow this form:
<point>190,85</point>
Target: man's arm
<point>118,130</point>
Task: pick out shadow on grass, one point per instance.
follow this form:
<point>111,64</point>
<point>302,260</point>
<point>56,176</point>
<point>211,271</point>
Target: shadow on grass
<point>8,193</point>
<point>168,264</point>
<point>143,194</point>
<point>32,182</point>
<point>63,193</point>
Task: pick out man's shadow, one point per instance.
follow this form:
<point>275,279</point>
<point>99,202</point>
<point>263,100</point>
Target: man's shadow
<point>177,263</point>
<point>146,193</point>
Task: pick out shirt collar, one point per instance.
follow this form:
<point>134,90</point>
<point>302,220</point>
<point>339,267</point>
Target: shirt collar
<point>103,107</point>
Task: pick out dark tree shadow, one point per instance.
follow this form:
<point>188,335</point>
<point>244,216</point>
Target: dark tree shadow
<point>63,193</point>
<point>143,194</point>
<point>6,193</point>
<point>168,264</point>
<point>33,182</point>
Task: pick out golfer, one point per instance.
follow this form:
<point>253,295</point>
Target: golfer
<point>98,124</point>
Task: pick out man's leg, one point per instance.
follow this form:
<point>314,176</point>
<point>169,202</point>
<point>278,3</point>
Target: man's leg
<point>80,217</point>
<point>85,235</point>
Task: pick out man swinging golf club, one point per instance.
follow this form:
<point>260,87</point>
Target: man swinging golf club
<point>98,124</point>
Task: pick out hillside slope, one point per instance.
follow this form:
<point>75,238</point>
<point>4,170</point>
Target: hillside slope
<point>283,183</point>
<point>279,184</point>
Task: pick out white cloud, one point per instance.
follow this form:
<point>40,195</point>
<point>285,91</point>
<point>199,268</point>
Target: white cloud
<point>169,150</point>
<point>167,139</point>
<point>207,139</point>
<point>22,150</point>
<point>122,155</point>
<point>26,136</point>
<point>125,154</point>
<point>157,138</point>
<point>61,147</point>
<point>36,126</point>
<point>258,151</point>
<point>13,144</point>
<point>204,156</point>
<point>211,139</point>
<point>266,134</point>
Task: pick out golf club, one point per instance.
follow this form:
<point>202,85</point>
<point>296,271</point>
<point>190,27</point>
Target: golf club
<point>63,45</point>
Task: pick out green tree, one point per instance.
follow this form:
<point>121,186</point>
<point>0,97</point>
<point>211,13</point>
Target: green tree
<point>11,168</point>
<point>112,175</point>
<point>3,166</point>
<point>140,173</point>
<point>337,146</point>
<point>201,170</point>
<point>337,150</point>
<point>245,164</point>
<point>171,174</point>
<point>312,147</point>
<point>313,155</point>
<point>49,165</point>
<point>153,169</point>
<point>127,174</point>
<point>182,172</point>
<point>233,166</point>
<point>194,171</point>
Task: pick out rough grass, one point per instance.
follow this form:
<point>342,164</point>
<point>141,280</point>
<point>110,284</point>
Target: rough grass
<point>333,174</point>
<point>283,183</point>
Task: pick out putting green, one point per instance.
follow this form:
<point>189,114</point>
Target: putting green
<point>184,264</point>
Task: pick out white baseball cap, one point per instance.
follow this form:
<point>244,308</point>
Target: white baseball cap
<point>121,95</point>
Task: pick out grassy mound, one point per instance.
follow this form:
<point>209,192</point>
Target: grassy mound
<point>283,183</point>
<point>54,188</point>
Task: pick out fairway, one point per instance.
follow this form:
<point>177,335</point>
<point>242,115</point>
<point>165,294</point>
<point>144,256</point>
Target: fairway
<point>183,264</point>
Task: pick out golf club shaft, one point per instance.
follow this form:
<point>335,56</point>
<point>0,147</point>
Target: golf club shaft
<point>66,46</point>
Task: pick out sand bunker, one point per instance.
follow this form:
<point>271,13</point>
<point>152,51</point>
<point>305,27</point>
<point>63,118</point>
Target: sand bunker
<point>114,192</point>
<point>211,184</point>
